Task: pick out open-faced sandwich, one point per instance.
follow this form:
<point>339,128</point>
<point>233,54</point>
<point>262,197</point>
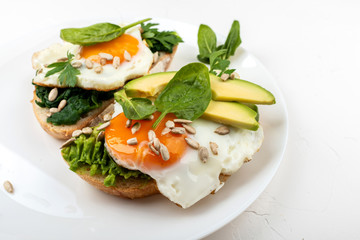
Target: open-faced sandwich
<point>181,134</point>
<point>75,80</point>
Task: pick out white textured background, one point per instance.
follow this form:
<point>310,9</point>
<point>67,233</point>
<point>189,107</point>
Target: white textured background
<point>313,50</point>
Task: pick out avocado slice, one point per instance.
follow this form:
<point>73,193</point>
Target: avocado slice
<point>240,91</point>
<point>230,90</point>
<point>231,113</point>
<point>149,85</point>
<point>255,108</point>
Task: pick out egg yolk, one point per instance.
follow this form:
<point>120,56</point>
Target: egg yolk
<point>140,155</point>
<point>115,47</point>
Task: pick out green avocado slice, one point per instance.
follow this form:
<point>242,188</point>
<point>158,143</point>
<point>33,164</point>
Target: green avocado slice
<point>231,90</point>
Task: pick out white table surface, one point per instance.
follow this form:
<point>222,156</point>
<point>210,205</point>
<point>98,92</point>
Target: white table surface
<point>313,50</point>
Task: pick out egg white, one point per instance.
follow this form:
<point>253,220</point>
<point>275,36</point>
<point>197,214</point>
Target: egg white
<point>109,79</point>
<point>189,180</point>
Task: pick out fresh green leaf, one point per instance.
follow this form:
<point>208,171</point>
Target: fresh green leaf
<point>97,33</point>
<point>187,95</point>
<point>135,108</point>
<point>217,56</point>
<point>79,102</point>
<point>214,56</point>
<point>206,43</point>
<point>233,39</point>
<point>68,74</point>
<point>159,41</point>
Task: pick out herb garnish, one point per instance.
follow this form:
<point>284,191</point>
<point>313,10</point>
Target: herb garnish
<point>163,41</point>
<point>97,33</point>
<point>135,108</point>
<point>68,75</point>
<point>217,56</point>
<point>187,95</point>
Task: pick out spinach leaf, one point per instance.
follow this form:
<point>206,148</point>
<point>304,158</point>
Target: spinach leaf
<point>68,74</point>
<point>217,56</point>
<point>135,108</point>
<point>79,102</point>
<point>97,33</point>
<point>163,41</point>
<point>206,43</point>
<point>187,95</point>
<point>233,39</point>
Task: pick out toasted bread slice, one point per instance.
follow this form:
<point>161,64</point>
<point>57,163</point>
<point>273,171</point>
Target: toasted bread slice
<point>93,117</point>
<point>128,188</point>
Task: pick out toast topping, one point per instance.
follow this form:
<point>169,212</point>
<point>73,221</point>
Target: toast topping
<point>53,94</point>
<point>214,148</point>
<point>192,143</point>
<point>203,154</point>
<point>222,130</point>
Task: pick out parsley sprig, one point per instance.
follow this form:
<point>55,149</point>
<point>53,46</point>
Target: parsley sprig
<point>68,74</point>
<point>163,41</point>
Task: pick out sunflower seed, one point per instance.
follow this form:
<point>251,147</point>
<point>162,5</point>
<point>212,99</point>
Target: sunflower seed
<point>98,69</point>
<point>165,131</point>
<point>135,127</point>
<point>214,148</point>
<point>164,152</point>
<point>155,57</point>
<point>151,135</point>
<point>87,130</point>
<point>106,56</point>
<point>234,75</point>
<point>192,143</point>
<point>222,130</point>
<point>67,143</point>
<point>76,133</point>
<point>62,104</point>
<point>76,64</point>
<point>189,129</point>
<point>102,61</point>
<point>40,71</point>
<point>100,136</point>
<point>203,154</point>
<point>151,117</point>
<point>53,94</point>
<point>128,123</point>
<point>54,110</point>
<point>224,76</point>
<point>103,126</point>
<point>156,143</point>
<point>8,187</point>
<point>116,62</point>
<point>152,148</point>
<point>170,124</point>
<point>132,141</point>
<point>178,130</point>
<point>127,56</point>
<point>89,64</point>
<point>64,59</point>
<point>107,117</point>
<point>182,121</point>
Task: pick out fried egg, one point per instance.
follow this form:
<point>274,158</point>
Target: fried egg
<point>110,78</point>
<point>183,179</point>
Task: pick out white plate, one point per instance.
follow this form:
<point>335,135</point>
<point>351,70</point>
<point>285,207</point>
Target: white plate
<point>51,202</point>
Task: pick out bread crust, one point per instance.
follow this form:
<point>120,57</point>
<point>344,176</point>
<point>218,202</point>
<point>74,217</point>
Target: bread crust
<point>127,188</point>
